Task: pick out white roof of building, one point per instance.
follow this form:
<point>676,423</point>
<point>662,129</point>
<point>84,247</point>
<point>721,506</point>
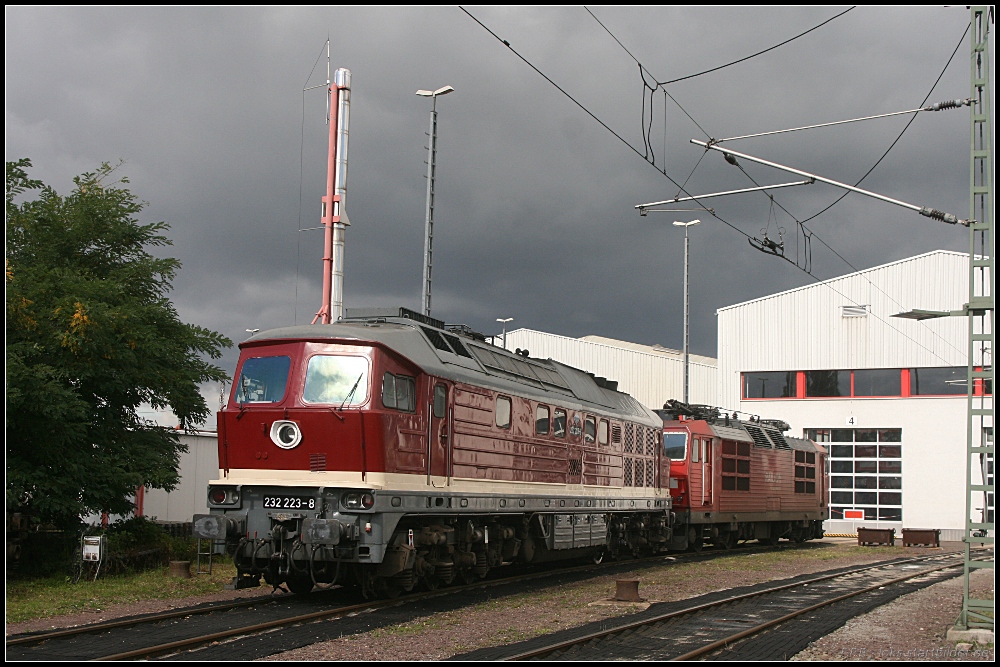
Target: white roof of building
<point>916,258</point>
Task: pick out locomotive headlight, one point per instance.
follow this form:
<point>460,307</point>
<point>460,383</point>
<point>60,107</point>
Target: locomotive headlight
<point>286,434</point>
<point>357,501</point>
<point>221,495</point>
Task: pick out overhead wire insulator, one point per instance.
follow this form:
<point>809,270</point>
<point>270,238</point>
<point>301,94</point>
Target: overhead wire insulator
<point>942,216</point>
<point>949,104</point>
<point>731,160</point>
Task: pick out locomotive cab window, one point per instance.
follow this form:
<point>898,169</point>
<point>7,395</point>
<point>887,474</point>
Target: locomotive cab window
<point>542,420</point>
<point>675,446</point>
<point>440,400</point>
<point>559,423</point>
<point>342,380</point>
<point>503,412</point>
<point>602,432</point>
<point>398,392</point>
<point>589,429</point>
<point>262,380</point>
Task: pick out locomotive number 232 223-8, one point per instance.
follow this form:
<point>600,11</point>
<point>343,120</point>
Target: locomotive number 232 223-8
<point>289,502</point>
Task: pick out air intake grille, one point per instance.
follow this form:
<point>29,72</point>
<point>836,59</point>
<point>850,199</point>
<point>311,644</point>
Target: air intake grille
<point>759,438</point>
<point>317,462</point>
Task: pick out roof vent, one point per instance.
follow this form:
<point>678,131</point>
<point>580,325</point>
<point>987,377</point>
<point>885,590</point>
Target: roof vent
<point>854,311</point>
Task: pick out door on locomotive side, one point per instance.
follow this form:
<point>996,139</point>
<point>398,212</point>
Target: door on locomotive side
<point>439,414</point>
<point>708,470</point>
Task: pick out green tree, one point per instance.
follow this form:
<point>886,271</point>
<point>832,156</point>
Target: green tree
<point>91,337</point>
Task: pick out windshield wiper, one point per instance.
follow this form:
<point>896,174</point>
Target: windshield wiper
<point>241,396</point>
<point>353,389</point>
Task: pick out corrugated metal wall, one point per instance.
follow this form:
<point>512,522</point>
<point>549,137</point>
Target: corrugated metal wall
<point>805,329</point>
<point>651,377</point>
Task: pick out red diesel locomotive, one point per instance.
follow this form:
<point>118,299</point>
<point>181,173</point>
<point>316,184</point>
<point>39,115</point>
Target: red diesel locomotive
<point>387,450</point>
<point>734,480</point>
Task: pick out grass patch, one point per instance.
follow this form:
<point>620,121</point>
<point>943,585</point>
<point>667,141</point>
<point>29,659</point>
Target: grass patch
<point>54,596</point>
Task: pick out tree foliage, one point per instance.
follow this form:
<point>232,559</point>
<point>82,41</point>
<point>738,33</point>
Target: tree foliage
<point>91,337</point>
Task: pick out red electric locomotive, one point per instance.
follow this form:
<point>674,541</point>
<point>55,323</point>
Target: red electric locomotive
<point>388,450</point>
<point>735,480</point>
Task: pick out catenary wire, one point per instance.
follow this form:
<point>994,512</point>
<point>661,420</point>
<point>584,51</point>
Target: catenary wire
<point>715,69</point>
<point>807,233</point>
<point>681,188</point>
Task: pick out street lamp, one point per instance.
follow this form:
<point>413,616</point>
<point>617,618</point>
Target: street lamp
<point>505,320</point>
<point>429,217</point>
<point>687,369</point>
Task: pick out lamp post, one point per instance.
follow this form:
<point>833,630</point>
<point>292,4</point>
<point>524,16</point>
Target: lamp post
<point>505,320</point>
<point>687,367</point>
<point>429,216</point>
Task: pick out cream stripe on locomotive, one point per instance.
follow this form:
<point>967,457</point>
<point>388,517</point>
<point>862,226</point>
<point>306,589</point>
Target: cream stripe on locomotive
<point>418,483</point>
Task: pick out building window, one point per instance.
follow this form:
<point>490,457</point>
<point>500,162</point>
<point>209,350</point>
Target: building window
<point>939,381</point>
<point>877,382</point>
<point>865,472</point>
<point>735,466</point>
<point>863,383</point>
<point>828,383</point>
<point>780,384</point>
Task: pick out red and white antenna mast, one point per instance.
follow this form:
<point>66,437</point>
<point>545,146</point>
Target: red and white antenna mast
<point>334,217</point>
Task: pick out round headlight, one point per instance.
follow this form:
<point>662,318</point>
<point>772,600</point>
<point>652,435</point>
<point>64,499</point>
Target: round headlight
<point>217,495</point>
<point>285,434</point>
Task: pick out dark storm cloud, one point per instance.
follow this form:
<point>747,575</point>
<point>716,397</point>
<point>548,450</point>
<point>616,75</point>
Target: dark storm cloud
<point>535,200</point>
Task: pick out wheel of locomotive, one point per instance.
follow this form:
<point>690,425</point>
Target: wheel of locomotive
<point>800,535</point>
<point>300,585</point>
<point>695,540</point>
<point>726,540</point>
<point>598,557</point>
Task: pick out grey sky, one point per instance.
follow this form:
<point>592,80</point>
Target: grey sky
<point>534,207</point>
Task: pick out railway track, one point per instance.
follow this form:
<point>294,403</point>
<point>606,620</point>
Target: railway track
<point>184,629</point>
<point>764,623</point>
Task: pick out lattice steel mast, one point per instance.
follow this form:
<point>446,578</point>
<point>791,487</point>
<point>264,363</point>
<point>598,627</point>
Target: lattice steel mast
<point>978,613</point>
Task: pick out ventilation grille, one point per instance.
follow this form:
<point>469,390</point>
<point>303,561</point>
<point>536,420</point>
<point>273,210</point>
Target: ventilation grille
<point>616,433</point>
<point>317,462</point>
<point>778,440</point>
<point>854,311</point>
<point>759,439</point>
<point>629,446</point>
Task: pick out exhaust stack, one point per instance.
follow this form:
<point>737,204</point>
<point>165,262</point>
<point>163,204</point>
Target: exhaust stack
<point>334,216</point>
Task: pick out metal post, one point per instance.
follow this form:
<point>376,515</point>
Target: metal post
<point>429,216</point>
<point>687,328</point>
<point>977,615</point>
<point>505,320</point>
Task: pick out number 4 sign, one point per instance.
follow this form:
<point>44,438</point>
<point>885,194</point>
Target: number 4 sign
<point>852,421</point>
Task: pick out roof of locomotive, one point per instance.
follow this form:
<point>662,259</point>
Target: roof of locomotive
<point>761,435</point>
<point>433,350</point>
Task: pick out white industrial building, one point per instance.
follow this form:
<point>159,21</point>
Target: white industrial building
<point>651,374</point>
<point>886,396</point>
<point>198,465</point>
